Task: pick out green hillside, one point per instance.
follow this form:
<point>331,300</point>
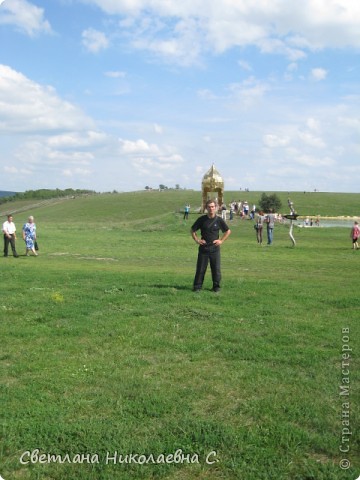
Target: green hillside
<point>125,207</point>
<point>108,356</point>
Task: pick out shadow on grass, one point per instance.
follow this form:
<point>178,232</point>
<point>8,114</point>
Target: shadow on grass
<point>176,287</point>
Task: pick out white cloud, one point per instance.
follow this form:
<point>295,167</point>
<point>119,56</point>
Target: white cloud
<point>313,124</point>
<point>282,27</point>
<point>274,141</point>
<point>138,147</point>
<point>115,74</point>
<point>25,16</point>
<point>206,94</point>
<point>309,139</point>
<point>26,106</point>
<point>245,65</point>
<point>292,67</point>
<point>49,138</point>
<point>156,166</point>
<point>36,152</point>
<point>94,41</point>
<point>180,44</point>
<point>248,92</point>
<point>352,123</point>
<point>311,161</point>
<point>77,139</point>
<point>150,159</point>
<point>318,74</point>
<point>158,129</point>
<point>16,171</point>
<point>76,172</point>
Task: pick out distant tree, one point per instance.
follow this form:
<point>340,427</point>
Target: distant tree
<point>177,186</point>
<point>268,202</point>
<point>163,187</point>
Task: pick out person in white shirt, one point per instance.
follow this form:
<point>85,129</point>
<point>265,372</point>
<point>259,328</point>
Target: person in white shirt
<point>9,231</point>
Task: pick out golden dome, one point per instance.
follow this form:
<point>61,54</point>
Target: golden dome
<point>212,180</point>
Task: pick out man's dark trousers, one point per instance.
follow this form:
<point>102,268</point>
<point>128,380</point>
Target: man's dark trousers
<point>10,240</point>
<point>208,253</point>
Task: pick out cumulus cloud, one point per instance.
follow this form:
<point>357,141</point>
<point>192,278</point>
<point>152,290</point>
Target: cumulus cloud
<point>77,139</point>
<point>36,152</point>
<point>25,16</point>
<point>243,94</point>
<point>76,172</point>
<point>179,44</point>
<point>311,140</point>
<point>274,141</point>
<point>138,147</point>
<point>313,124</point>
<point>311,161</point>
<point>27,106</point>
<point>94,41</point>
<point>282,27</point>
<point>52,138</point>
<point>17,171</point>
<point>50,134</point>
<point>318,74</point>
<point>248,92</point>
<point>351,123</point>
<point>150,159</point>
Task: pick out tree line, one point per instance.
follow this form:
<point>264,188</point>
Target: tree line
<point>45,194</point>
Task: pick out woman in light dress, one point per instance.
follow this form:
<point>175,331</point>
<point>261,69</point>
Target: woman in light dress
<point>29,236</point>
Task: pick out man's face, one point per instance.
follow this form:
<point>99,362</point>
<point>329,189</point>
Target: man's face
<point>211,208</point>
<point>10,219</point>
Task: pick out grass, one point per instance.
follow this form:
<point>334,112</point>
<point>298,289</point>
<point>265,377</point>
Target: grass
<point>107,352</point>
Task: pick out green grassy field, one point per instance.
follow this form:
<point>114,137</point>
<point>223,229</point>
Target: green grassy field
<point>112,368</point>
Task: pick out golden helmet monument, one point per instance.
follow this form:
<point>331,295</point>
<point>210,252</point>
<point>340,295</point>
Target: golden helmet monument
<point>212,182</point>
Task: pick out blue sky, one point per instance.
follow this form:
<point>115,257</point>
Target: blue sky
<point>122,94</point>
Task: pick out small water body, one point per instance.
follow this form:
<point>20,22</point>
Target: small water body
<point>329,223</point>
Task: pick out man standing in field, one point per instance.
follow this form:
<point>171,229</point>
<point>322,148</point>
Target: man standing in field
<point>209,245</point>
<point>9,231</point>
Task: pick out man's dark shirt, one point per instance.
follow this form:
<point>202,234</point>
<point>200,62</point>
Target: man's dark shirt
<point>210,228</point>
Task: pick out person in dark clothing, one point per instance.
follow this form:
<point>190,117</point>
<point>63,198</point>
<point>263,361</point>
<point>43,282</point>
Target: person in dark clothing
<point>209,245</point>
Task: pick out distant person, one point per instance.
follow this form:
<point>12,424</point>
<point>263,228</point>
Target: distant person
<point>259,227</point>
<point>9,231</point>
<point>355,234</point>
<point>223,211</point>
<point>270,223</point>
<point>29,236</point>
<point>231,211</point>
<point>209,245</point>
<point>252,213</point>
<point>246,208</point>
<point>186,211</point>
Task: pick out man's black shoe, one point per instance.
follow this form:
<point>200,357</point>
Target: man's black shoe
<point>215,289</point>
